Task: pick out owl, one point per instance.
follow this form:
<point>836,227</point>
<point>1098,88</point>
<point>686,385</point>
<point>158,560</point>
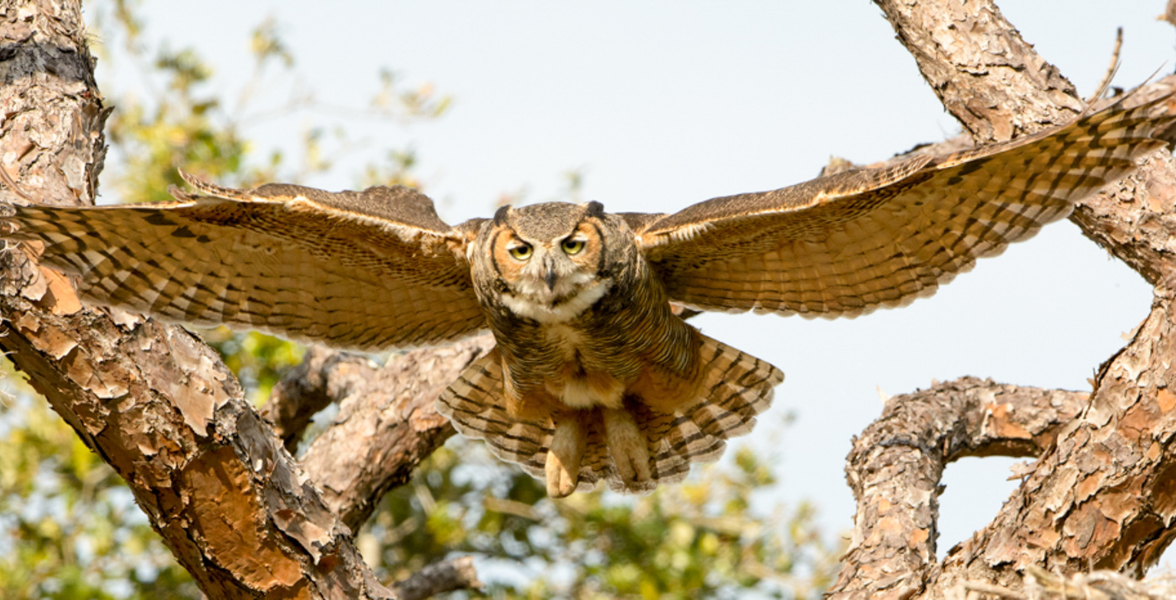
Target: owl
<point>595,376</point>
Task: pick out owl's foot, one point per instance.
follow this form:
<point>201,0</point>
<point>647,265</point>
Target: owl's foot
<point>564,456</point>
<point>627,445</point>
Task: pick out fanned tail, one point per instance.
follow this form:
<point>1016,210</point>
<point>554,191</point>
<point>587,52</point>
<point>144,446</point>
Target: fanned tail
<point>475,405</point>
<point>736,387</point>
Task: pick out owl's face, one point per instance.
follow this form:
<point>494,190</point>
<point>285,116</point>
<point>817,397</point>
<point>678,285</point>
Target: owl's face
<point>549,262</point>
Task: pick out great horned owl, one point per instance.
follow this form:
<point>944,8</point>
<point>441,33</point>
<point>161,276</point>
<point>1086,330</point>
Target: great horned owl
<point>594,376</point>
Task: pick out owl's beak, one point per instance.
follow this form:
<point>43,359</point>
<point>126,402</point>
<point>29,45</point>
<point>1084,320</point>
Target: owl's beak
<point>550,277</point>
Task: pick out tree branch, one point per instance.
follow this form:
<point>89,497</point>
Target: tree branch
<point>385,427</point>
<point>995,85</point>
<point>447,576</point>
<point>989,78</point>
<point>152,400</point>
<point>1134,220</point>
<point>325,376</point>
<point>895,467</point>
<point>1103,496</point>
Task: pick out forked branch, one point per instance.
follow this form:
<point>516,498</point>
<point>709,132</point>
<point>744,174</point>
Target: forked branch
<point>1102,494</point>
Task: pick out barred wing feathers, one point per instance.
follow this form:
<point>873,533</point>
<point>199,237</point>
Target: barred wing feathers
<point>848,243</point>
<point>364,270</point>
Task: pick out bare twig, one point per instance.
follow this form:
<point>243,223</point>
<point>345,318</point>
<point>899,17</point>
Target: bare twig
<point>995,590</point>
<point>324,377</point>
<point>1098,585</point>
<point>447,576</point>
<point>12,186</point>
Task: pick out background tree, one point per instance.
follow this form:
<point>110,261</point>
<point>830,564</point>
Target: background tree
<point>170,420</point>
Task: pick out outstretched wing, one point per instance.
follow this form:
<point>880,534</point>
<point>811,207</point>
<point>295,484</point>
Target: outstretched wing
<point>845,244</point>
<point>364,270</point>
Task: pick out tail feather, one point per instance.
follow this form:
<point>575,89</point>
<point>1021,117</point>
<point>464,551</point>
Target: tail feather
<point>717,421</point>
<point>736,387</point>
<point>682,442</point>
<point>474,404</point>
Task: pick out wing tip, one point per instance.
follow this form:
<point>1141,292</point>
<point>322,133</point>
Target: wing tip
<point>206,187</point>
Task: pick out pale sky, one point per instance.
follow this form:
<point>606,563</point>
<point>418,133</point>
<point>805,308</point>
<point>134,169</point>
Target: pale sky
<point>663,104</point>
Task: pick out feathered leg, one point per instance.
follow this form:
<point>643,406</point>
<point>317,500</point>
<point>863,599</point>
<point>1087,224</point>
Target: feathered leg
<point>562,468</point>
<point>628,447</point>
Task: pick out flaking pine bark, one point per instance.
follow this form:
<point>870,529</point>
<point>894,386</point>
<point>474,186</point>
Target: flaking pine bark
<point>1102,492</point>
<point>152,400</point>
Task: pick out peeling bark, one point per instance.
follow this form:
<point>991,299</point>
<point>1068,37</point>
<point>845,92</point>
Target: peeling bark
<point>1104,495</point>
<point>981,69</point>
<point>1101,495</point>
<point>385,427</point>
<point>895,467</point>
<point>152,400</point>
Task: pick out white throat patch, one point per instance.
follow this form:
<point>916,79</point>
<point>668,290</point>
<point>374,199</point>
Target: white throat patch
<point>525,305</point>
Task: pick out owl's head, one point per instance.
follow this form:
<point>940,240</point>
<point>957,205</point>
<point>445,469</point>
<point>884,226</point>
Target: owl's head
<point>551,261</point>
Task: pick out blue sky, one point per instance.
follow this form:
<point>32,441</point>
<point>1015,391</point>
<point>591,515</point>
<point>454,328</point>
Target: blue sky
<point>663,104</point>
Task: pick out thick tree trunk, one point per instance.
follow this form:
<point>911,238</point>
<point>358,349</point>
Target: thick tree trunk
<point>151,399</point>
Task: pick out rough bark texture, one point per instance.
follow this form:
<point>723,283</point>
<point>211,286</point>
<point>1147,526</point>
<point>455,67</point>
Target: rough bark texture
<point>385,427</point>
<point>981,69</point>
<point>1103,493</point>
<point>152,400</point>
<point>325,377</point>
<point>896,465</point>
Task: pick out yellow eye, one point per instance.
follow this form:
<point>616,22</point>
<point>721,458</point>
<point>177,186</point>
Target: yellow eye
<point>572,247</point>
<point>521,252</point>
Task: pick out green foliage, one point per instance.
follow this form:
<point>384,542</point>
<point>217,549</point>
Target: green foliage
<point>69,527</point>
<point>698,539</point>
<point>185,125</point>
<point>181,126</point>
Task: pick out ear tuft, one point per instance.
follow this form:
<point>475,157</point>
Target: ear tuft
<point>500,214</point>
<point>595,209</point>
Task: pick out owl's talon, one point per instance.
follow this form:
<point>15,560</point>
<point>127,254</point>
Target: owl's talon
<point>564,457</point>
<point>627,445</point>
